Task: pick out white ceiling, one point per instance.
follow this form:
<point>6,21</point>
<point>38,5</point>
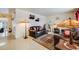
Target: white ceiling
<point>49,11</point>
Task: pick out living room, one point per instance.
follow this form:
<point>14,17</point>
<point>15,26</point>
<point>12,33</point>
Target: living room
<point>48,19</point>
<point>33,28</point>
<point>39,29</point>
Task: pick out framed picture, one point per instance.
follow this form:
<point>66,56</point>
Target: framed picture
<point>31,16</point>
<point>37,20</point>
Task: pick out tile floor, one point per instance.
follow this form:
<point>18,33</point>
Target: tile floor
<point>20,44</point>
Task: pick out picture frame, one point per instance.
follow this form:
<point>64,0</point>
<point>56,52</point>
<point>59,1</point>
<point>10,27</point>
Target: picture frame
<point>31,16</point>
<point>37,20</point>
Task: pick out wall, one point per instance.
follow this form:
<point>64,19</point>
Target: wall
<point>59,17</point>
<point>4,10</point>
<point>40,23</point>
<point>22,14</point>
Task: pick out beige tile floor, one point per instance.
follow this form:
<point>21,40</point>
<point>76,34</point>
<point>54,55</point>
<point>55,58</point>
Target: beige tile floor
<point>21,44</point>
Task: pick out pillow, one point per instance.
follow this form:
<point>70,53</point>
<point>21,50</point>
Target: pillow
<point>34,28</point>
<point>40,28</point>
<point>37,28</point>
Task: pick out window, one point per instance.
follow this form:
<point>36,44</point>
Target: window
<point>1,25</point>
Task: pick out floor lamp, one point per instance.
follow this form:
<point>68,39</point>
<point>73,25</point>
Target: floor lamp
<point>25,23</point>
<point>25,31</point>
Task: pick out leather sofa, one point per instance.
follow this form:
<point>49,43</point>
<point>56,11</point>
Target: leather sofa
<point>36,31</point>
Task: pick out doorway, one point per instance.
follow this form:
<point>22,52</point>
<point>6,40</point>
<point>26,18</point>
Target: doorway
<point>3,31</point>
<point>3,27</point>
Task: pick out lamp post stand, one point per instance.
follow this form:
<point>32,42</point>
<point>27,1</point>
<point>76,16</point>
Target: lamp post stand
<point>25,32</point>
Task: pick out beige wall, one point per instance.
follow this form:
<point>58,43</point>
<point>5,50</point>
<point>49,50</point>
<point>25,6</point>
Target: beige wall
<point>59,17</point>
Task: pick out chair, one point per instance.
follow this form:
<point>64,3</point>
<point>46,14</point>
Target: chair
<point>62,31</point>
<point>1,30</point>
<point>66,32</point>
<point>76,36</point>
<point>57,30</point>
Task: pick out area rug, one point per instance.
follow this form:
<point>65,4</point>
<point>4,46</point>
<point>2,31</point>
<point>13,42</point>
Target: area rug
<point>46,40</point>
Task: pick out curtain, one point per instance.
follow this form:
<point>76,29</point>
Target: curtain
<point>77,14</point>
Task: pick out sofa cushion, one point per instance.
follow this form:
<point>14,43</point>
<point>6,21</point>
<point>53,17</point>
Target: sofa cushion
<point>36,28</point>
<point>36,31</point>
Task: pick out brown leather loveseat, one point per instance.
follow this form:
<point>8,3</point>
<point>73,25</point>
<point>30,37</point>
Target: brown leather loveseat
<point>36,31</point>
